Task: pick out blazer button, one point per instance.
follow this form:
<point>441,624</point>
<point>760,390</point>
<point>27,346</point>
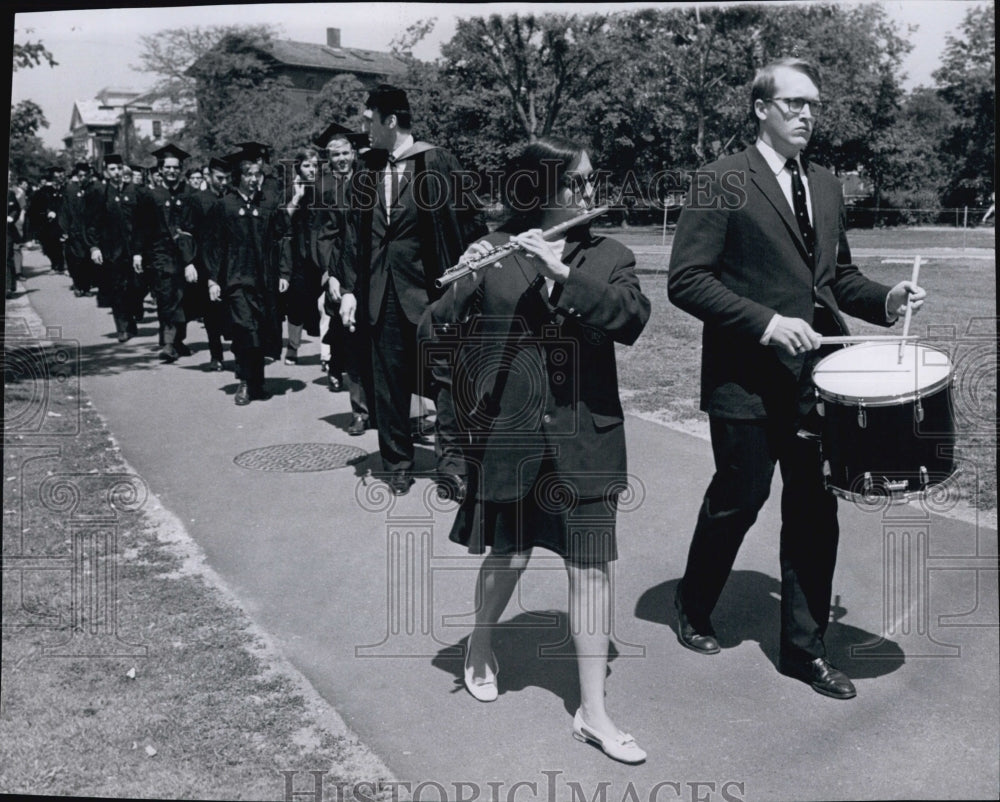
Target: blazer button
<point>546,418</point>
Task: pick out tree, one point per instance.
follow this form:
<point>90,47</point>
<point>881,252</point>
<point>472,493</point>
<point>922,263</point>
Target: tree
<point>542,63</point>
<point>31,54</point>
<point>342,99</point>
<point>170,54</point>
<point>966,81</point>
<point>26,118</point>
<point>28,155</point>
<point>240,99</point>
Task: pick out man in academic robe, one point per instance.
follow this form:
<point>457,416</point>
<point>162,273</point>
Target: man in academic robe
<point>245,236</point>
<point>348,358</point>
<point>43,213</point>
<point>72,223</point>
<point>166,219</point>
<point>212,314</point>
<point>113,244</point>
<point>413,224</point>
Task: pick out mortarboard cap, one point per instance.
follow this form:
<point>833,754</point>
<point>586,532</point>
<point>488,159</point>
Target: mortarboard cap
<point>81,167</point>
<point>170,150</point>
<point>322,139</point>
<point>254,150</point>
<point>215,163</point>
<point>113,158</point>
<point>388,99</point>
<point>56,168</point>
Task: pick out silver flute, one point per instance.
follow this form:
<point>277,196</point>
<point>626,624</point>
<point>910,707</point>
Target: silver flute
<point>494,256</point>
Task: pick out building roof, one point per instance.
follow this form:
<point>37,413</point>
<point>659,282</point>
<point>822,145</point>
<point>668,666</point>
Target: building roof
<point>93,112</point>
<point>339,59</point>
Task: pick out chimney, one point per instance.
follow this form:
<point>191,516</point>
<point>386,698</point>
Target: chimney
<point>333,37</point>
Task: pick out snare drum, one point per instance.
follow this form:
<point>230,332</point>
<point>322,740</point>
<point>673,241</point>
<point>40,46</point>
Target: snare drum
<point>887,424</point>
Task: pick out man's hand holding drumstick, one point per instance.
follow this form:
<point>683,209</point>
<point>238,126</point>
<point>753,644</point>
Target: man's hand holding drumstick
<point>797,337</point>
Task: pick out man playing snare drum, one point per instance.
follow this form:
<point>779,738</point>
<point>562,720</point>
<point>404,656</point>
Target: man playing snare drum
<point>760,255</point>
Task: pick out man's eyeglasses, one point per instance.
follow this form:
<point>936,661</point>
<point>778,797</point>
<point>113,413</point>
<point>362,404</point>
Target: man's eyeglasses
<point>796,104</point>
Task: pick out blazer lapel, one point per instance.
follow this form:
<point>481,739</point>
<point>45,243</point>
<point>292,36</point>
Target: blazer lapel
<point>764,180</point>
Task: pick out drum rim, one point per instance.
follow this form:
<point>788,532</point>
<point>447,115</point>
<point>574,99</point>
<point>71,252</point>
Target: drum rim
<point>884,400</point>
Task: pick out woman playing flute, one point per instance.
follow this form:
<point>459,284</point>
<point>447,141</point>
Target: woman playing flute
<point>536,392</point>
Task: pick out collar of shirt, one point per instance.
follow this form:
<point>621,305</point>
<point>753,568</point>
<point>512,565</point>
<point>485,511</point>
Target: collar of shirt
<point>784,178</point>
<point>247,200</point>
<point>774,159</point>
<point>403,146</point>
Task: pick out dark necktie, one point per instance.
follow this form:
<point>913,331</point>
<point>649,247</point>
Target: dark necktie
<point>799,205</point>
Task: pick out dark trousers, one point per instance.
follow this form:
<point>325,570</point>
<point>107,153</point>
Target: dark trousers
<point>53,249</point>
<point>81,270</point>
<point>745,455</point>
<point>394,371</point>
<point>167,287</point>
<point>349,356</point>
<point>11,279</point>
<point>124,289</point>
<point>249,358</point>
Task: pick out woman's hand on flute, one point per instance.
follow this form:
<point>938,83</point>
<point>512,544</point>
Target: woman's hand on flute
<point>548,263</point>
<point>903,293</point>
<point>477,250</point>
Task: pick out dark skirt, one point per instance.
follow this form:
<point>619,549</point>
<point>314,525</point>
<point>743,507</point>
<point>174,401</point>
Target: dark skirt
<point>582,530</point>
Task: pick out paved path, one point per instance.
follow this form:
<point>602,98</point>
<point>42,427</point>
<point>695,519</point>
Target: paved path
<point>368,598</point>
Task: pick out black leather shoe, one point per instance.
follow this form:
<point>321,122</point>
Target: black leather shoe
<point>400,482</point>
<point>451,487</point>
<point>242,395</point>
<point>703,642</point>
<point>216,365</point>
<point>168,354</point>
<point>335,384</point>
<point>822,676</point>
<point>358,425</point>
<point>260,394</point>
<point>124,336</point>
<point>182,349</point>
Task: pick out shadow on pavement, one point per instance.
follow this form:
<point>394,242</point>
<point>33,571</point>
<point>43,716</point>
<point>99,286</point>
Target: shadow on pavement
<point>750,610</point>
<point>533,649</point>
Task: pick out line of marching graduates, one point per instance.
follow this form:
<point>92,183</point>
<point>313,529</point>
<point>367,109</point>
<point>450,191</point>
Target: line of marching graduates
<point>241,254</point>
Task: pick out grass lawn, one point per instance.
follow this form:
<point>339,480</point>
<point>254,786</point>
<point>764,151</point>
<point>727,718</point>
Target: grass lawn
<point>207,712</point>
<point>660,374</point>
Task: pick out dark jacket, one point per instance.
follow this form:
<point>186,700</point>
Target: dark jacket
<point>536,375</point>
<point>738,258</point>
<point>428,230</point>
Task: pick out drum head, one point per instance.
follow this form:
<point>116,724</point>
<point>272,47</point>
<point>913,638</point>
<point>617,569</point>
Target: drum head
<point>872,373</point>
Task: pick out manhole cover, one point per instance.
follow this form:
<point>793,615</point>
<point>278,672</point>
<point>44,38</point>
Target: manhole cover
<point>300,457</point>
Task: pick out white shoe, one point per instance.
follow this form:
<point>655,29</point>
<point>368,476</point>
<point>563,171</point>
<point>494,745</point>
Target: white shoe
<point>484,688</point>
<point>620,747</point>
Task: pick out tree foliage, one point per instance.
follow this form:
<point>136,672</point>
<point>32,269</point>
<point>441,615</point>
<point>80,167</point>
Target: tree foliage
<point>170,54</point>
<point>966,81</point>
<point>241,99</point>
<point>31,54</point>
<point>540,63</point>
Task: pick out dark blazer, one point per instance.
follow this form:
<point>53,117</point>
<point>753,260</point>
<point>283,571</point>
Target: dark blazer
<point>738,258</point>
<point>419,241</point>
<point>536,375</point>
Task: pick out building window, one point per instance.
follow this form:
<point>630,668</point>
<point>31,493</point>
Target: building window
<point>157,129</point>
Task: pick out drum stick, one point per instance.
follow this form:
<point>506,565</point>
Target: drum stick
<point>864,338</point>
<point>909,307</point>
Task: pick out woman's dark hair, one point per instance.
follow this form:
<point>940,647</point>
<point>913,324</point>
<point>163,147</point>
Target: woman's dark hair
<point>303,155</point>
<point>536,174</point>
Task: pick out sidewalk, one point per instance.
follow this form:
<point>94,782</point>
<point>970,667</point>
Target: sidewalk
<point>366,596</point>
